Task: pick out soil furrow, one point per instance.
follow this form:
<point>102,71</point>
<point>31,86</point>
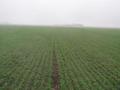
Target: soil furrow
<point>55,73</point>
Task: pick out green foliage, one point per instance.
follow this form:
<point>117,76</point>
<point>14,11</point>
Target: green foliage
<point>88,58</point>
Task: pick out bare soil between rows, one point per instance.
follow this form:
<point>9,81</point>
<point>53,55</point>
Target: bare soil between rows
<point>55,73</point>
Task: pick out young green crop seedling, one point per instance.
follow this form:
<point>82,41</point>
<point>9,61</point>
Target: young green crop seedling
<point>56,58</point>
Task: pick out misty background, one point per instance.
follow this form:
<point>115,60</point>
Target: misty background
<point>99,13</point>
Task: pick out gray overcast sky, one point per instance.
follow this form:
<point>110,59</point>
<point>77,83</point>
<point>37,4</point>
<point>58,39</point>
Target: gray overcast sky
<point>37,12</point>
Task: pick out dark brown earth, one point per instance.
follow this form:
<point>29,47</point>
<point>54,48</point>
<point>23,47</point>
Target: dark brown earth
<point>55,73</point>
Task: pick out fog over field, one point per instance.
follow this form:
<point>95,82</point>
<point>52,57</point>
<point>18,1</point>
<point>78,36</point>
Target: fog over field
<point>101,13</point>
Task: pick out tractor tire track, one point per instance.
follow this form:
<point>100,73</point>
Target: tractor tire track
<point>55,73</point>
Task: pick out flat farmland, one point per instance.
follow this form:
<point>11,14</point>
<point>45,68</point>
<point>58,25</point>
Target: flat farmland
<point>56,58</point>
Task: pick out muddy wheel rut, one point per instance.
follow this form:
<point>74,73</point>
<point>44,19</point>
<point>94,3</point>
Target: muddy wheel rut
<point>55,73</point>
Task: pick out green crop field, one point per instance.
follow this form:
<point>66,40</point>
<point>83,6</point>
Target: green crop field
<point>55,58</point>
